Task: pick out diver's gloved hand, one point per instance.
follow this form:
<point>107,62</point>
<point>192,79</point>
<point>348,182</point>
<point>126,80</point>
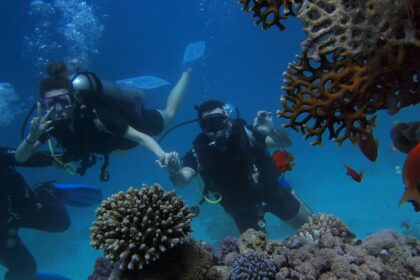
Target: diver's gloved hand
<point>40,124</point>
<point>263,122</point>
<point>171,162</point>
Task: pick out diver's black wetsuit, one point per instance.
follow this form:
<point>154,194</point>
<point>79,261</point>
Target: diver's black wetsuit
<point>20,206</point>
<point>230,172</point>
<point>87,139</point>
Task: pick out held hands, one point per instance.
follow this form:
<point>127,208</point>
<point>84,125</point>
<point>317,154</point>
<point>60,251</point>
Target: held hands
<point>40,124</point>
<point>263,122</point>
<point>170,161</point>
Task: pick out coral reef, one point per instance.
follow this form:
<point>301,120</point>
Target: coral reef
<point>228,247</point>
<point>356,26</point>
<point>135,227</point>
<point>323,228</point>
<point>252,241</point>
<point>405,136</point>
<point>359,57</point>
<point>188,261</point>
<point>102,269</point>
<point>342,92</point>
<point>269,12</point>
<point>400,254</point>
<point>253,266</point>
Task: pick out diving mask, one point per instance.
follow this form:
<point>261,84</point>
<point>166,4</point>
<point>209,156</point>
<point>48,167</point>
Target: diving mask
<point>60,104</point>
<point>214,122</point>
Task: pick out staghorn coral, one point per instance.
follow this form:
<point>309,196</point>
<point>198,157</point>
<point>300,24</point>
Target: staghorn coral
<point>356,26</point>
<point>269,12</point>
<point>253,266</point>
<point>136,227</point>
<point>326,228</point>
<point>341,92</point>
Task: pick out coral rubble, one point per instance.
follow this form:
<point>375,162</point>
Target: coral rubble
<point>135,227</point>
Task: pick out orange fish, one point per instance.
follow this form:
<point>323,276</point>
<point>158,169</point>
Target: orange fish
<point>357,176</point>
<point>283,160</point>
<point>369,146</point>
<point>411,178</point>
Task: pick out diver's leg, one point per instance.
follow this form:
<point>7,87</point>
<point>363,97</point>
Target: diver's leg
<point>174,99</point>
<point>17,259</point>
<point>52,215</point>
<point>288,207</point>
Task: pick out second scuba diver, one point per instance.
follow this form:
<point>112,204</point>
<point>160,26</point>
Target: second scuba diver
<point>41,208</point>
<point>233,160</point>
<point>89,116</point>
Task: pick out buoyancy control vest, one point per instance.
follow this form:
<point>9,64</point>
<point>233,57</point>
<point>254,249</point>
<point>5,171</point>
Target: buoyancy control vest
<point>244,169</point>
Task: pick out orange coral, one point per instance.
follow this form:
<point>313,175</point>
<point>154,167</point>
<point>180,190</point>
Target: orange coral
<point>356,26</point>
<point>268,12</point>
<point>341,92</point>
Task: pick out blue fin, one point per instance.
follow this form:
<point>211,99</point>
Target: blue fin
<point>193,52</point>
<point>144,82</point>
<point>78,195</point>
<point>50,276</point>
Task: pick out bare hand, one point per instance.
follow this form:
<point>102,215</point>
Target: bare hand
<point>40,124</point>
<point>263,122</point>
<point>170,161</point>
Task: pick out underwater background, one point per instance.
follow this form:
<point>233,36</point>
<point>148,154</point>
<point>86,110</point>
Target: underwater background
<point>242,65</point>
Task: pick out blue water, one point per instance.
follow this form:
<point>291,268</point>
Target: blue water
<point>242,65</point>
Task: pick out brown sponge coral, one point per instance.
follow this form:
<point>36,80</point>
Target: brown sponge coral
<point>135,227</point>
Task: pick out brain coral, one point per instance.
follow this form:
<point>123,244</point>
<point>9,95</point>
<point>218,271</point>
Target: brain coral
<point>136,226</point>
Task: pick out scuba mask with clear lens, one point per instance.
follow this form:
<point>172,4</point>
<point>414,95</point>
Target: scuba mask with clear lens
<point>214,122</point>
<point>60,104</point>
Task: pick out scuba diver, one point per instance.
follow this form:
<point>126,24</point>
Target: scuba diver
<point>89,116</point>
<point>233,160</point>
<point>41,208</point>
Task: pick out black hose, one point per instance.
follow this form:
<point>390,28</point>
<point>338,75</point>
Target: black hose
<point>25,122</point>
<point>175,127</point>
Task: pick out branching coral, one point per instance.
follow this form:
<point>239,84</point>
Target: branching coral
<point>135,227</point>
<point>323,227</point>
<point>269,12</point>
<point>339,93</point>
<point>356,26</point>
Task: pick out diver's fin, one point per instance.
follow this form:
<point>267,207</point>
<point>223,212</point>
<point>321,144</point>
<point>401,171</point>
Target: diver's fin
<point>193,52</point>
<point>50,276</point>
<point>144,82</point>
<point>78,195</point>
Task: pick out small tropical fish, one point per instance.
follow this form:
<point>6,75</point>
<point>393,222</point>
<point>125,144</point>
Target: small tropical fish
<point>369,146</point>
<point>411,178</point>
<point>357,176</point>
<point>283,160</point>
<point>405,225</point>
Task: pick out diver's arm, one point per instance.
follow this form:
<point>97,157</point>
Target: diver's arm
<point>183,177</point>
<point>145,140</point>
<point>278,139</point>
<point>26,149</point>
<point>40,125</point>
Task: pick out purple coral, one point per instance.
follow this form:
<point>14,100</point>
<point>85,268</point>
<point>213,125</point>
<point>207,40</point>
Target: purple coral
<point>228,245</point>
<point>102,269</point>
<point>253,266</point>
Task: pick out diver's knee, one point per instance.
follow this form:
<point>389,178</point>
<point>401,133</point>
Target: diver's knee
<point>301,217</point>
